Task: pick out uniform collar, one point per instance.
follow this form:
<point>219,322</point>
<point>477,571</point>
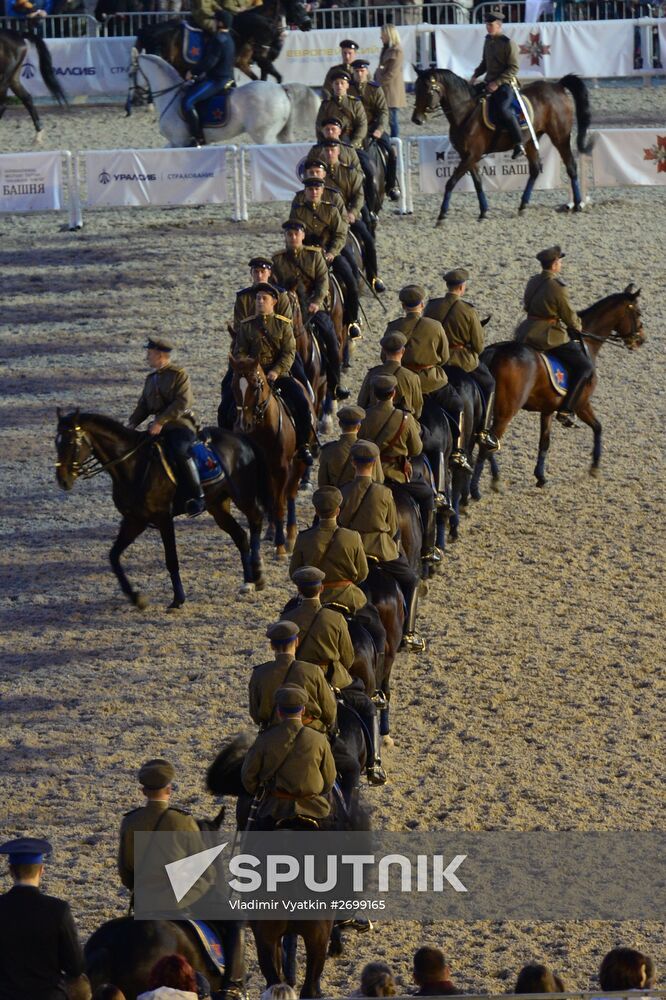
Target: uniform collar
<point>349,434</point>
<point>284,659</point>
<point>157,804</point>
<point>383,404</point>
<point>310,602</point>
<point>328,522</point>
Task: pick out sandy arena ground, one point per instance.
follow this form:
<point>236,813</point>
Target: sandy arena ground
<point>539,703</point>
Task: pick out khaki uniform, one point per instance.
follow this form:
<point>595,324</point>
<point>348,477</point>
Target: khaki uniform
<point>349,182</point>
<point>305,267</point>
<point>335,467</point>
<point>369,508</point>
<point>409,395</point>
<point>348,155</point>
<point>549,313</point>
<point>327,85</point>
<point>330,195</point>
<point>270,339</point>
<point>156,815</point>
<point>462,327</point>
<point>337,552</point>
<point>427,349</point>
<point>499,61</point>
<point>323,222</point>
<point>296,764</point>
<point>202,12</point>
<point>397,435</point>
<point>245,306</point>
<point>167,395</point>
<point>352,115</point>
<point>324,639</point>
<point>284,669</point>
<point>374,103</point>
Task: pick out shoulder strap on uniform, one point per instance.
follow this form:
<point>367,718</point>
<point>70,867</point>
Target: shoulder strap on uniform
<point>397,434</point>
<point>285,318</point>
<point>282,760</point>
<point>362,501</point>
<point>315,616</point>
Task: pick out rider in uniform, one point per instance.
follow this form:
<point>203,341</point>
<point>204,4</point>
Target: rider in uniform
<point>202,13</point>
<point>552,325</point>
<point>167,396</point>
<point>409,395</point>
<point>245,305</point>
<point>499,62</point>
<point>377,113</point>
<point>348,109</point>
<point>214,74</point>
<point>464,333</point>
<point>348,50</point>
<point>369,508</point>
<point>316,166</point>
<point>331,128</point>
<point>303,269</point>
<point>335,467</point>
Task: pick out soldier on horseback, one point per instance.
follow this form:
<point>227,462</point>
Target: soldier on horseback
<point>335,468</point>
<point>552,325</point>
<point>215,74</point>
<point>499,63</point>
<point>376,111</point>
<point>245,306</point>
<point>348,50</point>
<point>409,395</point>
<point>167,396</point>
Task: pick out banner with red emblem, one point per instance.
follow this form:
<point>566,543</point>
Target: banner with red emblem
<point>629,156</point>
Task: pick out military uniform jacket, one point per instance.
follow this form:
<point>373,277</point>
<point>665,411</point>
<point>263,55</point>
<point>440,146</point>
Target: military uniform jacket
<point>549,313</point>
<point>296,765</point>
<point>323,639</point>
<point>427,349</point>
<point>323,225</point>
<point>335,466</point>
<point>374,104</point>
<point>245,306</point>
<point>38,943</point>
<point>270,339</point>
<point>349,182</point>
<point>339,553</point>
<point>499,60</point>
<point>307,268</point>
<point>397,435</point>
<point>284,669</point>
<point>327,85</point>
<point>462,327</point>
<point>409,395</point>
<point>330,195</point>
<point>348,154</point>
<point>167,395</point>
<point>155,815</point>
<point>202,13</point>
<point>369,508</point>
<point>352,115</point>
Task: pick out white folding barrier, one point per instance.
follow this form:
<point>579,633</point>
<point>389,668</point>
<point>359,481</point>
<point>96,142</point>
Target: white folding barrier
<point>39,182</point>
<point>629,156</point>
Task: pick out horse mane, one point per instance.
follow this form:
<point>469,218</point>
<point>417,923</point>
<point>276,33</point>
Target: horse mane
<point>458,85</point>
<point>103,422</point>
<point>614,299</point>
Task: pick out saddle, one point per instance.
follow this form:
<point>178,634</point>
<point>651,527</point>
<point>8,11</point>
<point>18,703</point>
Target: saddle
<point>193,43</point>
<point>211,944</point>
<point>492,124</point>
<point>557,372</point>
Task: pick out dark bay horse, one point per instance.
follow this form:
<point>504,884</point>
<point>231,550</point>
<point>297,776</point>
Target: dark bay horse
<point>13,50</point>
<point>522,381</point>
<point>382,590</point>
<point>554,104</point>
<point>143,490</point>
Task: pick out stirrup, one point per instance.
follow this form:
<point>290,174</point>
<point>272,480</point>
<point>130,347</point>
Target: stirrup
<point>432,556</point>
<point>354,330</point>
<point>233,991</point>
<point>394,194</point>
<point>443,502</point>
<point>376,775</point>
<point>518,150</point>
<point>488,440</point>
<point>378,285</point>
<point>566,418</point>
<point>305,455</point>
<point>341,392</point>
<point>195,506</point>
<point>459,458</point>
<point>413,642</point>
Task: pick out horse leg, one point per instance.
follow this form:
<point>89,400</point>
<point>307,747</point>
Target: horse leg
<point>589,417</point>
<point>480,194</point>
<point>171,556</point>
<point>564,149</point>
<point>27,102</point>
<point>535,170</point>
<point>278,515</point>
<point>544,445</point>
<point>130,529</point>
<point>316,935</point>
<point>268,953</point>
<point>3,101</point>
<point>460,171</point>
<point>227,522</point>
<point>255,520</point>
<point>289,947</point>
<point>292,489</point>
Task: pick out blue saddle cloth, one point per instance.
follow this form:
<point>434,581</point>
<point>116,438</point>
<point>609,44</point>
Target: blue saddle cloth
<point>213,111</point>
<point>193,44</point>
<point>208,464</point>
<point>557,373</point>
<point>490,120</point>
<point>210,942</point>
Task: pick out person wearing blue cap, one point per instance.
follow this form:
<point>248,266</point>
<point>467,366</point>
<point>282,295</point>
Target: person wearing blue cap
<point>40,954</point>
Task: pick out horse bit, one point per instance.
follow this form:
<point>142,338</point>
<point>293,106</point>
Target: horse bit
<point>259,411</point>
<point>90,466</point>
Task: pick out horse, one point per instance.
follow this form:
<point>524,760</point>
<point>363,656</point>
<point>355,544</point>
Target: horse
<point>268,112</point>
<point>437,447</point>
<point>144,491</point>
<point>523,383</point>
<point>13,51</point>
<point>461,479</point>
<point>381,589</point>
<point>376,192</point>
<point>553,109</point>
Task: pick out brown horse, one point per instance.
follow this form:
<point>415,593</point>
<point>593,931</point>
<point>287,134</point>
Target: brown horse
<point>13,50</point>
<point>553,109</point>
<point>523,383</point>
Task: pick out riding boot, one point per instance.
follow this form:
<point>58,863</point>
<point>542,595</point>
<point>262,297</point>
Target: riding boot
<point>429,551</point>
<point>232,936</point>
<point>486,439</point>
<point>410,639</point>
<point>375,772</point>
<point>392,188</point>
<point>330,353</point>
<point>194,125</point>
<point>189,480</point>
<point>567,410</point>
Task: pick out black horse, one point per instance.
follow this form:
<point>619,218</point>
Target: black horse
<point>13,50</point>
<point>144,490</point>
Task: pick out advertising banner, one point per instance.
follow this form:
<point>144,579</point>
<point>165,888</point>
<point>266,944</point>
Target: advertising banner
<point>274,170</point>
<point>438,160</point>
<point>629,156</point>
<point>83,66</point>
<point>31,182</point>
<point>142,177</point>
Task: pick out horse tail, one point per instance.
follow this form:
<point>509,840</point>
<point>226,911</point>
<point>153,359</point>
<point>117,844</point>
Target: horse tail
<point>579,92</point>
<point>46,66</point>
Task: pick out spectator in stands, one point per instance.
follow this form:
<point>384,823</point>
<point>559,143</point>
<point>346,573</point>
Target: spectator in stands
<point>30,11</point>
<point>389,74</point>
<point>376,981</point>
<point>280,991</point>
<point>538,979</point>
<point>171,977</point>
<point>432,974</point>
<point>107,991</point>
<point>624,969</point>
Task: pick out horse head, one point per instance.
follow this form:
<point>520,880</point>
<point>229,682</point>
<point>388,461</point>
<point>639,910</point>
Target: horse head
<point>251,391</point>
<point>73,448</point>
<point>427,94</point>
<point>442,88</point>
<point>629,327</point>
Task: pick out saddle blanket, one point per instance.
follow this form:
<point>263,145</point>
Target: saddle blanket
<point>557,373</point>
<point>193,44</point>
<point>212,111</point>
<point>211,943</point>
<point>208,464</point>
<point>490,123</point>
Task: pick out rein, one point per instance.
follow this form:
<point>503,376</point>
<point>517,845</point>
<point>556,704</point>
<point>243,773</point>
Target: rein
<point>616,338</point>
<point>91,466</point>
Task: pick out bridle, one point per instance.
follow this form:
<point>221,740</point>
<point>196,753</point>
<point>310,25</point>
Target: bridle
<point>90,466</point>
<point>147,92</point>
<point>260,407</point>
<point>434,89</point>
<point>631,341</point>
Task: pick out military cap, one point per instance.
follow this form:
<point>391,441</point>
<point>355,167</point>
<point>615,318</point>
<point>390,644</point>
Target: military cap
<point>494,14</point>
<point>159,344</point>
<point>308,576</point>
<point>341,74</point>
<point>326,500</point>
<point>351,414</point>
<point>313,161</point>
<point>364,451</point>
<point>457,276</point>
<point>261,262</point>
<point>282,631</point>
<point>327,143</point>
<point>347,43</point>
<point>412,295</point>
<point>293,224</point>
<point>332,121</point>
<point>384,385</point>
<point>156,773</point>
<point>291,699</point>
<point>263,286</point>
<point>393,341</point>
<point>360,64</point>
<point>546,257</point>
<point>26,850</point>
<point>313,182</point>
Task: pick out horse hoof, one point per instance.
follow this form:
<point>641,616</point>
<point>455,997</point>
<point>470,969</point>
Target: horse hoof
<point>260,583</point>
<point>540,481</point>
<point>578,207</point>
<point>595,471</point>
<point>482,217</point>
<point>247,588</point>
<point>305,487</point>
<point>475,494</point>
<point>522,209</point>
<point>281,552</point>
<point>388,741</point>
<point>175,606</point>
<point>440,221</point>
<point>495,486</point>
<point>139,600</point>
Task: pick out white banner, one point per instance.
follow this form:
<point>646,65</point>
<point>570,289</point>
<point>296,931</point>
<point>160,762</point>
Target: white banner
<point>83,66</point>
<point>308,55</point>
<point>274,170</point>
<point>143,177</point>
<point>547,50</point>
<point>31,182</point>
<point>438,160</point>
<point>629,156</point>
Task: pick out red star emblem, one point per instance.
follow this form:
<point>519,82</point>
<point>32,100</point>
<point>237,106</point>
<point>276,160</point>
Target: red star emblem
<point>536,49</point>
<point>195,50</point>
<point>559,375</point>
<point>217,114</point>
<point>657,153</point>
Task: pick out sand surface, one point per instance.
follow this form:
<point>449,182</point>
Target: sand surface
<point>540,700</point>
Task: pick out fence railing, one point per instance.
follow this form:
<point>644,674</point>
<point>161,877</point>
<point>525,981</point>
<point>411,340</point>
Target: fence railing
<point>372,16</point>
<point>571,10</point>
<point>56,25</point>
